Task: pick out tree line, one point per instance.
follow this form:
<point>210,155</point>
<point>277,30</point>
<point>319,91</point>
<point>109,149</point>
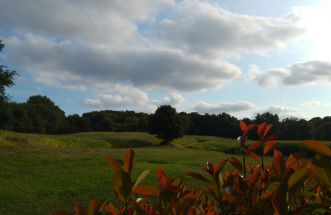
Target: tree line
<point>41,115</point>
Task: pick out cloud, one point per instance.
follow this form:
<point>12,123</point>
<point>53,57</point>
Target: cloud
<point>312,104</point>
<point>227,107</point>
<point>253,72</point>
<point>283,111</point>
<point>202,28</point>
<point>134,47</point>
<point>124,96</point>
<point>116,41</point>
<point>172,99</point>
<point>154,68</point>
<point>303,73</point>
<point>316,104</point>
<point>100,22</point>
<point>244,109</point>
<point>121,96</point>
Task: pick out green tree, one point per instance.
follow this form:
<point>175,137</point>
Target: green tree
<point>45,115</point>
<point>6,116</point>
<point>166,124</point>
<point>6,79</point>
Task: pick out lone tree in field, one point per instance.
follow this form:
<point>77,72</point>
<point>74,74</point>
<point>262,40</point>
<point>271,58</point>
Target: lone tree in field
<point>6,78</point>
<point>166,124</point>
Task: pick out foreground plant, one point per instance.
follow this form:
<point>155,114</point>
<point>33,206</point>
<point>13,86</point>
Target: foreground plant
<point>286,186</point>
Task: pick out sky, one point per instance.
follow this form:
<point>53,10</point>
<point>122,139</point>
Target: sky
<point>239,57</point>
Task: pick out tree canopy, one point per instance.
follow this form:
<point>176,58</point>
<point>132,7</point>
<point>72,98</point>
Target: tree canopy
<point>6,78</point>
<point>166,124</point>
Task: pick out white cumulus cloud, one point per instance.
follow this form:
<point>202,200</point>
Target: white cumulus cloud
<point>302,73</point>
<point>227,107</point>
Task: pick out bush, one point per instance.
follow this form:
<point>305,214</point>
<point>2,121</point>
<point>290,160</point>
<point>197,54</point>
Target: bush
<point>287,186</point>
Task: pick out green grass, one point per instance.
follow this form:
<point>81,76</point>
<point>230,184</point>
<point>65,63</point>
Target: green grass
<point>42,173</point>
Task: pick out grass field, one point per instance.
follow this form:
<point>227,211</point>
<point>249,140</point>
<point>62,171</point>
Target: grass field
<point>42,173</point>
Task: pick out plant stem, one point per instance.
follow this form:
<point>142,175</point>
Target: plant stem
<point>262,156</point>
<point>244,162</point>
<point>160,205</point>
<point>126,208</point>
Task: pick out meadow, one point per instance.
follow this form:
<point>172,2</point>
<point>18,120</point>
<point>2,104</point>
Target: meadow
<point>42,173</point>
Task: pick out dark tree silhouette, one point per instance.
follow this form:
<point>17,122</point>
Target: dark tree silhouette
<point>166,124</point>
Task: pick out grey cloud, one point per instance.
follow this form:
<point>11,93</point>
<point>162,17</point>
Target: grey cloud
<point>96,21</point>
<point>303,73</point>
<point>205,29</point>
<point>155,68</point>
<point>227,107</point>
<point>99,42</point>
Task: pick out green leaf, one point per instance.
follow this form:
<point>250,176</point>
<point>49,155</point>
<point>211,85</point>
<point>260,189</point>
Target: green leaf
<point>297,177</point>
<point>278,201</point>
<point>322,169</point>
<point>122,185</point>
<point>141,177</point>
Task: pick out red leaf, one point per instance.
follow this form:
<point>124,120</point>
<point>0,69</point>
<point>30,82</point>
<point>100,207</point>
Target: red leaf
<point>250,168</point>
<point>318,147</point>
<point>279,163</point>
<point>270,146</point>
<point>93,206</point>
<point>163,180</point>
<point>255,156</point>
<point>128,160</point>
<point>111,209</point>
<point>218,167</point>
<point>254,147</point>
<point>79,210</point>
<point>304,164</point>
<point>243,126</point>
<point>236,163</point>
<point>253,178</point>
<point>248,129</point>
<point>260,129</point>
<point>267,194</point>
<point>271,138</point>
<point>114,164</point>
<point>144,190</point>
<point>267,129</point>
<point>160,173</point>
<point>292,159</point>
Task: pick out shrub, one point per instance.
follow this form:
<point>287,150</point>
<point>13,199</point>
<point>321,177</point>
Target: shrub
<point>286,186</point>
